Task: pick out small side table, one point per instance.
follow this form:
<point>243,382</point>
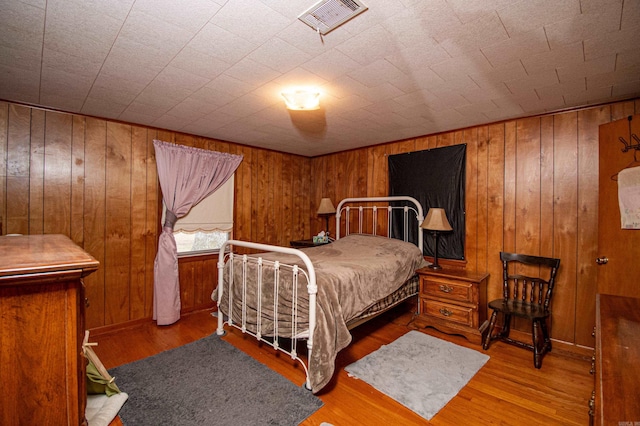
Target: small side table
<point>305,243</point>
<point>453,301</point>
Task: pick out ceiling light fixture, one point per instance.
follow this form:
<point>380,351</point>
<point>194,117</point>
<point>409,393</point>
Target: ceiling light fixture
<point>302,99</point>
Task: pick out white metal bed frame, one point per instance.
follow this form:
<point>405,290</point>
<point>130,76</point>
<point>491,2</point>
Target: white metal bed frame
<point>279,268</point>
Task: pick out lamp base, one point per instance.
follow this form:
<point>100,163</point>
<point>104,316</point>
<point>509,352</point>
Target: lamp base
<point>434,266</point>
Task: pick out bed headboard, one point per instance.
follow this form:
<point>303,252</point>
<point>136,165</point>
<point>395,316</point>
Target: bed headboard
<point>364,204</point>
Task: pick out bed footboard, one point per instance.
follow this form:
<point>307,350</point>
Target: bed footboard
<point>280,271</point>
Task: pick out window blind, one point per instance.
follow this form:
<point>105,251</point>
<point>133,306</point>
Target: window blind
<point>214,213</point>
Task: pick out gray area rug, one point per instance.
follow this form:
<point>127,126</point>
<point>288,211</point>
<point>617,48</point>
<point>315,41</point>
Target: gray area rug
<point>209,382</point>
<point>421,372</point>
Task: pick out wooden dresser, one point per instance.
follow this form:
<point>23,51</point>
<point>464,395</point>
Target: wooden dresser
<point>617,361</point>
<point>42,369</point>
<point>453,301</point>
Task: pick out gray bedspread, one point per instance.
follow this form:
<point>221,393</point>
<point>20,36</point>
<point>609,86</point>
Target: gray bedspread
<point>351,273</point>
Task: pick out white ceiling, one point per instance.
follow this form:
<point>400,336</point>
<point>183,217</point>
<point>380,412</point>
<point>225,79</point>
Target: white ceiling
<point>403,68</point>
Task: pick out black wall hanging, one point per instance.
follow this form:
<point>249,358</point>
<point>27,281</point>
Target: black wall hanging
<point>436,178</point>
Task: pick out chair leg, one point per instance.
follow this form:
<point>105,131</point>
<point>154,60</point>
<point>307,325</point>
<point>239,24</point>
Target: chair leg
<point>537,355</point>
<point>545,334</point>
<point>492,323</point>
<point>506,326</point>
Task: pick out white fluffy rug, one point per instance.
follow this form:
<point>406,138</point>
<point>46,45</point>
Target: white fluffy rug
<point>421,372</point>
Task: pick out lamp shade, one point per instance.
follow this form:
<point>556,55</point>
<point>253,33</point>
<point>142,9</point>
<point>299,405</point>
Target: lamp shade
<point>436,221</point>
<point>301,99</point>
<point>326,206</point>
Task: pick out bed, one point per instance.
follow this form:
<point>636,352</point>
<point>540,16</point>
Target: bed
<point>283,296</point>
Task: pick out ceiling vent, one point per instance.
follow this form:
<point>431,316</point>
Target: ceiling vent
<point>327,15</point>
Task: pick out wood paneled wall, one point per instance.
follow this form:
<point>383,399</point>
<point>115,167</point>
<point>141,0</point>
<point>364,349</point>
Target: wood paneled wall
<point>532,187</point>
<point>95,181</point>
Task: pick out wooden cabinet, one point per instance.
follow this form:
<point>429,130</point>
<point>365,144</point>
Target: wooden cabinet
<point>453,301</point>
<point>42,369</point>
<point>617,357</point>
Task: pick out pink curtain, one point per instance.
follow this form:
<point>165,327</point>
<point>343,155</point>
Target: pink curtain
<point>187,175</point>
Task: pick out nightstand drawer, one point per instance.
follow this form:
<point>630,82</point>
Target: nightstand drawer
<point>452,313</point>
<point>448,289</point>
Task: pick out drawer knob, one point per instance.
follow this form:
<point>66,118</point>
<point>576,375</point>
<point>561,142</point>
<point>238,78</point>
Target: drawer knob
<point>446,288</point>
<point>446,312</point>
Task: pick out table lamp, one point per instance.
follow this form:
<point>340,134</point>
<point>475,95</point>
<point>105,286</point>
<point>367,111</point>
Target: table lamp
<point>436,222</point>
<point>326,208</point>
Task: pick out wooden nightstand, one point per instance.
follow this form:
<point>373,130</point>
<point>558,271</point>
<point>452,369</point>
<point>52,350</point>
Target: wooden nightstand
<point>453,301</point>
<point>305,243</point>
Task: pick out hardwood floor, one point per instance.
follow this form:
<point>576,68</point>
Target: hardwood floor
<point>508,390</point>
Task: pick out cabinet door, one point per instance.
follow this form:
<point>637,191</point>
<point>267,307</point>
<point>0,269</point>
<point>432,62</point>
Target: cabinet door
<point>39,354</point>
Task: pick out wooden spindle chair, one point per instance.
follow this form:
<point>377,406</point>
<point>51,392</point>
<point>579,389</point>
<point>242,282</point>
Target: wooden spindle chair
<point>526,294</point>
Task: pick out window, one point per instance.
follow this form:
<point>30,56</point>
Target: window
<point>436,178</point>
<point>209,223</point>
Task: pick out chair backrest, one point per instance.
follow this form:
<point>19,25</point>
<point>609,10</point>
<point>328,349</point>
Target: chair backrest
<point>524,278</point>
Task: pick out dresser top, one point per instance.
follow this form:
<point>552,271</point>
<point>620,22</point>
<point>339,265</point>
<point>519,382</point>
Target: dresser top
<point>450,273</point>
<point>32,254</point>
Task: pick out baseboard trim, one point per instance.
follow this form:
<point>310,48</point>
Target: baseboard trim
<point>558,345</point>
<point>115,328</point>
